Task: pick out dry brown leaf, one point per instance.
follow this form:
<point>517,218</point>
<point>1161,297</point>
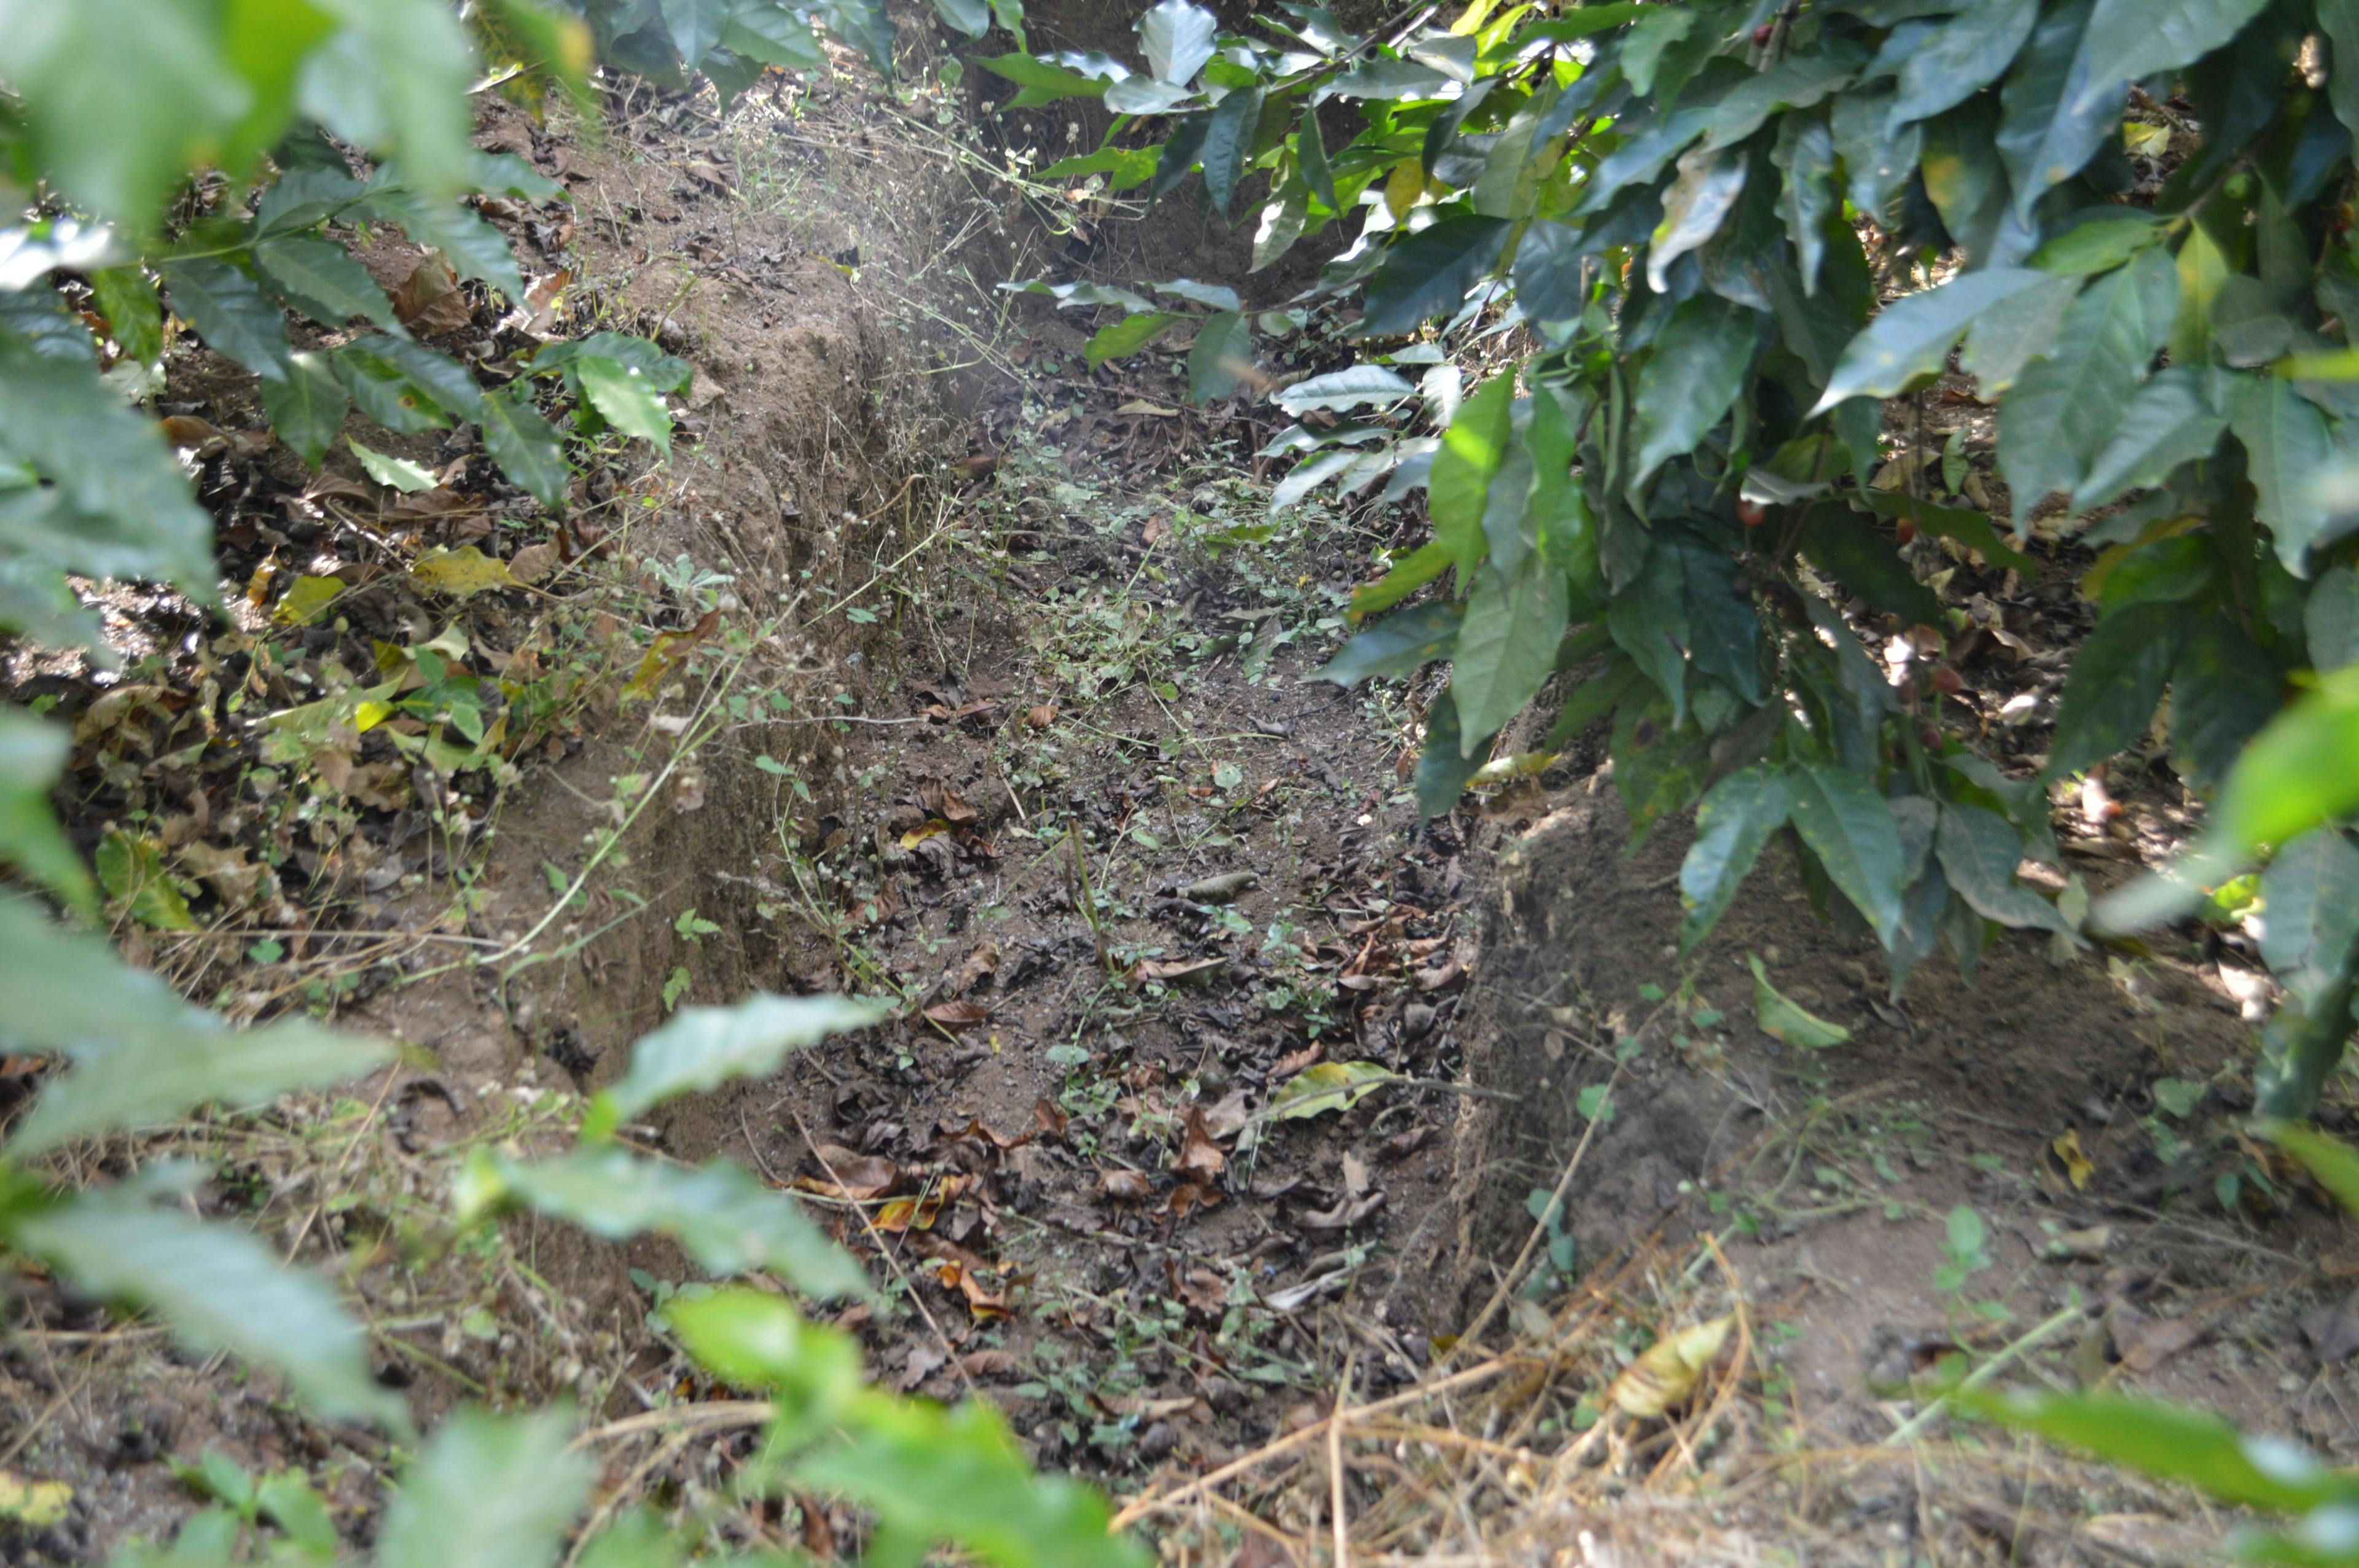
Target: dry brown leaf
<point>957,1015</point>
<point>1188,971</point>
<point>988,1363</point>
<point>1040,718</point>
<point>1124,1186</point>
<point>1200,1157</point>
<point>1347,1213</point>
<point>532,562</point>
<point>979,967</point>
<point>429,299</point>
<point>943,802</point>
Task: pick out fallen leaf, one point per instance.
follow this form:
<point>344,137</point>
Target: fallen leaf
<point>1124,1186</point>
<point>956,1015</point>
<point>396,474</point>
<point>532,562</point>
<point>429,299</point>
<point>1329,1086</point>
<point>1040,718</point>
<point>35,1504</point>
<point>979,967</point>
<point>1347,1213</point>
<point>1188,971</point>
<point>1222,889</point>
<point>1227,1116</point>
<point>1140,405</point>
<point>2076,1165</point>
<point>307,599</point>
<point>1666,1375</point>
<point>667,650</point>
<point>1401,1145</point>
<point>918,835</point>
<point>2154,1342</point>
<point>988,1363</point>
<point>1356,1174</point>
<point>461,573</point>
<point>944,802</point>
<point>1781,1019</point>
<point>1200,1155</point>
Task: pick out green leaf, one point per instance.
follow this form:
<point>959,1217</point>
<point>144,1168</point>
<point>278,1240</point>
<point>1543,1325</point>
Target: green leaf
<point>1472,451</point>
<point>219,1289</point>
<point>775,35</point>
<point>2128,40</point>
<point>395,79</point>
<point>1649,621</point>
<point>1699,364</point>
<point>2009,335</point>
<point>2287,446</point>
<point>1429,274</point>
<point>304,198</point>
<point>2065,407</point>
<point>703,1047</point>
<point>1781,1019</point>
<point>662,371</point>
<point>972,17</point>
<point>1421,566</point>
<point>2338,20</point>
<point>1849,827</point>
<point>2103,240</point>
<point>1228,138</point>
<point>1840,544</point>
<point>121,98</point>
<point>526,447</point>
<point>622,394</point>
<point>1351,388</point>
<point>1310,158</point>
<point>1444,766</point>
<point>231,313</point>
<point>2114,683</point>
<point>1695,206</point>
<point>864,25</point>
<point>2223,689</point>
<point>1735,822</point>
<point>1129,335</point>
<point>2169,422</point>
<point>134,318</point>
<point>1806,155</point>
<point>1178,38</point>
<point>489,1492</point>
<point>132,871</point>
<point>384,391</point>
<point>2310,913</point>
<point>1507,647</point>
<point>2334,1163</point>
<point>1979,851</point>
<point>31,754</point>
<point>307,409</point>
<point>291,1504</point>
<point>1280,224</point>
<point>1911,337</point>
<point>2331,618</point>
<point>1964,55</point>
<point>1220,356</point>
<point>473,248</point>
<point>1043,82</point>
<point>1642,48</point>
<point>2043,138</point>
<point>1971,529</point>
<point>2172,1442</point>
<point>505,174</point>
<point>1327,1086</point>
<point>321,279</point>
<point>1396,646</point>
<point>39,316</point>
<point>395,473</point>
<point>727,1221</point>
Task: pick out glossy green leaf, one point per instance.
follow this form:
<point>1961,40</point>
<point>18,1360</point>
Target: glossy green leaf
<point>1472,451</point>
<point>1735,822</point>
<point>218,1289</point>
<point>2172,1442</point>
<point>1849,827</point>
<point>2100,242</point>
<point>395,473</point>
<point>385,391</point>
<point>1353,387</point>
<point>1444,766</point>
<point>2065,407</point>
<point>134,314</point>
<point>1507,644</point>
<point>489,1491</point>
<point>2338,20</point>
<point>31,754</point>
<point>623,394</point>
<point>1839,541</point>
<point>1220,357</point>
<point>1281,223</point>
<point>2286,448</point>
<point>776,36</point>
<point>1177,36</point>
<point>303,198</point>
<point>660,370</point>
<point>2310,918</point>
<point>1648,620</point>
<point>2114,685</point>
<point>2128,40</point>
<point>2044,138</point>
<point>2334,1163</point>
<point>1911,337</point>
<point>321,279</point>
<point>473,248</point>
<point>2331,618</point>
<point>1310,158</point>
<point>1965,55</point>
<point>1806,156</point>
<point>307,408</point>
<point>703,1047</point>
<point>39,318</point>
<point>1421,566</point>
<point>1127,336</point>
<point>1700,363</point>
<point>972,17</point>
<point>231,313</point>
<point>1979,851</point>
<point>1228,138</point>
<point>1396,646</point>
<point>1971,529</point>
<point>395,79</point>
<point>2223,689</point>
<point>1697,203</point>
<point>1429,274</point>
<point>2010,335</point>
<point>722,1218</point>
<point>1723,627</point>
<point>1043,82</point>
<point>527,448</point>
<point>2171,421</point>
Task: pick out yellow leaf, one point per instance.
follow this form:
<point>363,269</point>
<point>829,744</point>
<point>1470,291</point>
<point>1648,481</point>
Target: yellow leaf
<point>460,572</point>
<point>369,715</point>
<point>36,1504</point>
<point>1666,1375</point>
<point>917,836</point>
<point>2077,1165</point>
<point>1329,1086</point>
<point>1781,1019</point>
<point>1407,184</point>
<point>307,599</point>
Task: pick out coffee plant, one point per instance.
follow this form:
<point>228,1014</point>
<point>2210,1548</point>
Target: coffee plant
<point>1676,228</point>
<point>182,162</point>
